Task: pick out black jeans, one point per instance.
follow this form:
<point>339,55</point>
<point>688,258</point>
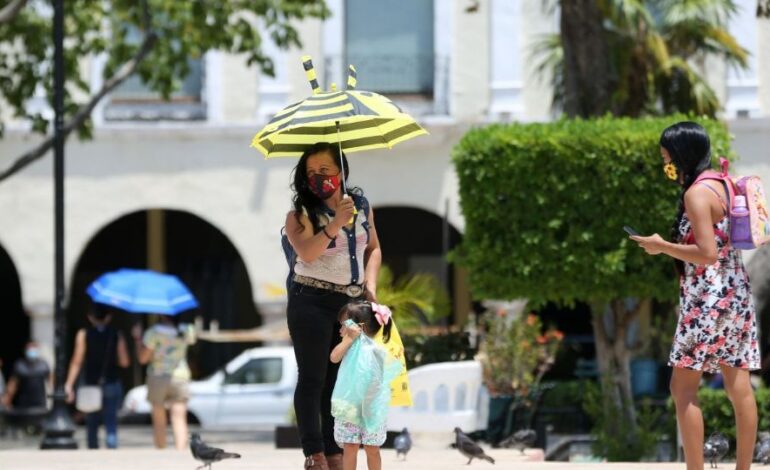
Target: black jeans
<point>312,317</point>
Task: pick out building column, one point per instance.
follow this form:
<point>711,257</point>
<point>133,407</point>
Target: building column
<point>42,328</point>
<point>535,22</point>
<point>156,240</point>
<point>470,61</point>
<point>763,64</point>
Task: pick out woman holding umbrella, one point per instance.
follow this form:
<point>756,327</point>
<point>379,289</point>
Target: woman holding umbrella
<point>338,259</point>
<point>164,346</point>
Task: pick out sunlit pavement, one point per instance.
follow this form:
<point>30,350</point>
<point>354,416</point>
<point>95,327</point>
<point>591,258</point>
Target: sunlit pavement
<point>264,456</point>
<point>258,452</point>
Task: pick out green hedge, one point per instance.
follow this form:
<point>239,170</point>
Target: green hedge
<point>544,207</point>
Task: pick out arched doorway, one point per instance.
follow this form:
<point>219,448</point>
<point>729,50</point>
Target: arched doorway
<point>415,240</point>
<point>179,243</point>
<point>16,328</point>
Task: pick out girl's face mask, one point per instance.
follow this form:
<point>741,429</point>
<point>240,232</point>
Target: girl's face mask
<point>670,170</point>
<point>324,186</point>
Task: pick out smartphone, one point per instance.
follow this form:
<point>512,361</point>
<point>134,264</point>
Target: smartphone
<point>630,231</point>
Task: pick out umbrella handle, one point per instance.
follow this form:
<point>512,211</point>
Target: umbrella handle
<point>355,211</point>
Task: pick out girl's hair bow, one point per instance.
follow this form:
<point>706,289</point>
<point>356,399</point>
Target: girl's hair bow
<point>382,313</point>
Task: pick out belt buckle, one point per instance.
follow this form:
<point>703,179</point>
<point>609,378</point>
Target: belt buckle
<point>354,290</point>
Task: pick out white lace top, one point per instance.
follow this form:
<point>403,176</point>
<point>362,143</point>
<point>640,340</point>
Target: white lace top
<point>343,261</point>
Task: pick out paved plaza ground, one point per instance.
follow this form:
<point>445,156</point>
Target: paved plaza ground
<point>264,456</point>
<point>259,453</point>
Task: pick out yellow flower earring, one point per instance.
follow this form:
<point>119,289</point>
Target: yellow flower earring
<point>670,170</point>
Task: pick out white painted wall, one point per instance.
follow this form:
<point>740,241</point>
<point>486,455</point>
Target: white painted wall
<point>742,85</point>
<point>763,64</point>
<point>470,62</point>
<point>209,172</point>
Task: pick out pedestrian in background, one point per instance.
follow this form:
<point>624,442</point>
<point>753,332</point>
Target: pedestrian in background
<point>26,393</point>
<point>164,348</point>
<point>99,351</point>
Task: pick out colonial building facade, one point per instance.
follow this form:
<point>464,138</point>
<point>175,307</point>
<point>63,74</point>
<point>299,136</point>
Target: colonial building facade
<point>174,185</point>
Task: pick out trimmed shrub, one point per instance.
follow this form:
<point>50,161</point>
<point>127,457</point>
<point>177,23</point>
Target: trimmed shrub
<point>545,204</point>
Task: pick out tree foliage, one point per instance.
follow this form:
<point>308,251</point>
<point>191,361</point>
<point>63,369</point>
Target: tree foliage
<point>154,39</point>
<point>656,51</point>
<point>416,300</point>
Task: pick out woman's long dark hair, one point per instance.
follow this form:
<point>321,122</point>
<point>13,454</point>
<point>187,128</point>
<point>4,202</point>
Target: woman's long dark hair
<point>689,147</point>
<point>303,196</point>
<point>361,312</point>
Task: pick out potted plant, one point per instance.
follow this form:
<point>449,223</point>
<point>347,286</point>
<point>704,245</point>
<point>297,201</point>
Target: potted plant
<point>515,354</point>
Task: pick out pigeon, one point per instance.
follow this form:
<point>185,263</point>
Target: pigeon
<point>208,455</point>
<point>762,449</point>
<point>715,448</point>
<point>522,439</point>
<point>402,443</point>
<point>470,449</point>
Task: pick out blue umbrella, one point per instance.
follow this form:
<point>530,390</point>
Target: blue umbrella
<point>142,291</point>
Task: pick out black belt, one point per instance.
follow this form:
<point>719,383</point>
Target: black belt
<point>351,290</point>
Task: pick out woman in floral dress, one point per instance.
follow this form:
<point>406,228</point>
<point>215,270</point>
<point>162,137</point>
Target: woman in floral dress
<point>717,330</point>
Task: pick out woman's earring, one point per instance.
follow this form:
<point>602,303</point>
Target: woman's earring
<point>670,170</point>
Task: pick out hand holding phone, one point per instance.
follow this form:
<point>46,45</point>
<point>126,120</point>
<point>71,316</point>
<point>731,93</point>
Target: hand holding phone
<point>631,231</point>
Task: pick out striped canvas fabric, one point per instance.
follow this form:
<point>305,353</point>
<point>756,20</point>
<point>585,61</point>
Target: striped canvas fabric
<point>360,120</point>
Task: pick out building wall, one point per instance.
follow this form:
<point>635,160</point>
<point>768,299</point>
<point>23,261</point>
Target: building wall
<point>209,172</point>
<point>208,169</point>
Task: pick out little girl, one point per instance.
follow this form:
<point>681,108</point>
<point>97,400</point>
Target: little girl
<point>362,393</point>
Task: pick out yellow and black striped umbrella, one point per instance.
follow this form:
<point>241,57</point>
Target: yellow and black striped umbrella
<point>358,120</point>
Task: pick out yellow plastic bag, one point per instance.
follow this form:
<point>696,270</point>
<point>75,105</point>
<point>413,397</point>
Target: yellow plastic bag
<point>400,394</point>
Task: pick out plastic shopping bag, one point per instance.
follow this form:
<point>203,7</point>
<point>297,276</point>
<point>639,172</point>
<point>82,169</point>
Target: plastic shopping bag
<point>361,394</point>
<point>401,395</point>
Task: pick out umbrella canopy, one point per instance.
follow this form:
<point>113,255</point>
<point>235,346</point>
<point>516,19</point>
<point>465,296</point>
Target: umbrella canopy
<point>142,291</point>
<point>358,120</point>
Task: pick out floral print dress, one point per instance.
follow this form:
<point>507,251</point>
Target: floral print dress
<point>717,322</point>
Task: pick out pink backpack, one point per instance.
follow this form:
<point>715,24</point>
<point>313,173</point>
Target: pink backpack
<point>744,234</point>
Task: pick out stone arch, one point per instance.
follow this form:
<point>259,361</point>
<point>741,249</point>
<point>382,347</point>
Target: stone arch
<point>181,243</point>
<point>16,325</point>
<point>417,240</point>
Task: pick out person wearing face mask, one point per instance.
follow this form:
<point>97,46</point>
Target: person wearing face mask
<point>99,351</point>
<point>338,260</point>
<point>717,329</point>
<point>26,393</point>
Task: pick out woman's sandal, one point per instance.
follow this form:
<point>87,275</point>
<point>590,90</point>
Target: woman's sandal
<point>317,462</point>
<point>334,461</point>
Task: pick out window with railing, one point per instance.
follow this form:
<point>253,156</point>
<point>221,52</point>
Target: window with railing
<point>390,42</point>
<point>135,101</point>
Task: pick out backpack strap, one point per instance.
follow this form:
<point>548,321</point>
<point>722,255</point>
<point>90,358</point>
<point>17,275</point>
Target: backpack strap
<point>729,185</point>
<point>722,176</point>
<point>362,204</point>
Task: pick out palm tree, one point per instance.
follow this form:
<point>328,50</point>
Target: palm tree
<point>416,300</point>
<point>763,8</point>
<point>656,50</point>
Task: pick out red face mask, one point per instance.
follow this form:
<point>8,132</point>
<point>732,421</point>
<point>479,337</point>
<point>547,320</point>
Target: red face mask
<point>324,186</point>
